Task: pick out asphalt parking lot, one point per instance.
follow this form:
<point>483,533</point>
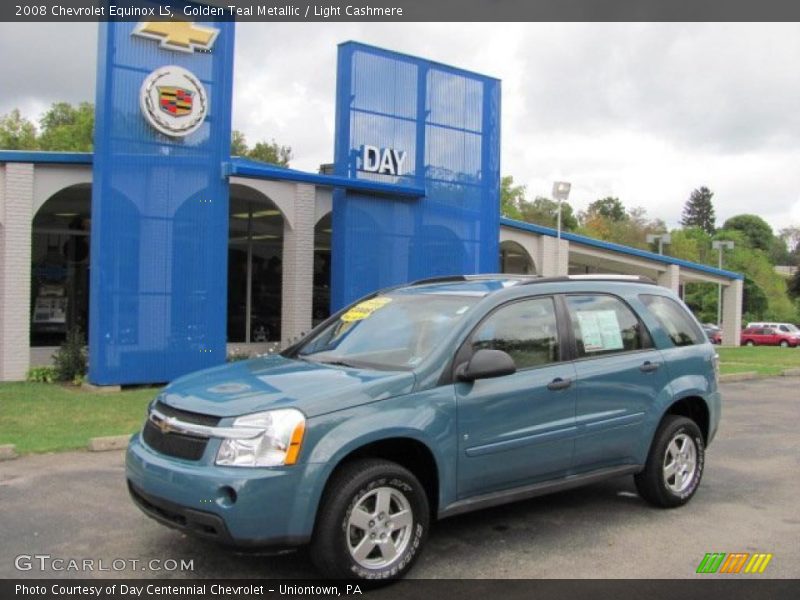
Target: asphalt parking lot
<point>75,505</point>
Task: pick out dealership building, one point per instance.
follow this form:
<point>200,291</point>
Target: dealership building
<point>173,255</point>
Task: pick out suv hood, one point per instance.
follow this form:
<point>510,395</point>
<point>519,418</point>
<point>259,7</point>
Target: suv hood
<point>276,382</point>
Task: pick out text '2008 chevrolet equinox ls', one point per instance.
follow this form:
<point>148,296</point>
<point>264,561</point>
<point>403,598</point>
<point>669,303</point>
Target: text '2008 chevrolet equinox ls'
<point>426,401</point>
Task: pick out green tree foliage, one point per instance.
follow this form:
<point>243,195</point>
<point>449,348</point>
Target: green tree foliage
<point>511,197</point>
<point>544,211</point>
<point>609,208</point>
<point>608,219</point>
<point>17,132</point>
<point>67,128</point>
<point>756,230</point>
<point>266,152</point>
<point>699,210</point>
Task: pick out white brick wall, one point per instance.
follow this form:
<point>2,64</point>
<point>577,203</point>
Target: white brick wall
<point>671,278</point>
<point>298,265</point>
<point>551,261</point>
<point>732,296</point>
<point>15,270</point>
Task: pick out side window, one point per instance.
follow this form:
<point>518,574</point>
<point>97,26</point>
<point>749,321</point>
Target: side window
<point>526,330</point>
<point>673,318</point>
<point>604,325</point>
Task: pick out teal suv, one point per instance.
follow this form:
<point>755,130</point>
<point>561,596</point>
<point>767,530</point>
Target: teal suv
<point>426,401</point>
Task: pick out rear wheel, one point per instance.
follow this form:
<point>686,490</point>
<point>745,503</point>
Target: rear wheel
<point>674,466</point>
<point>373,521</point>
<point>750,343</point>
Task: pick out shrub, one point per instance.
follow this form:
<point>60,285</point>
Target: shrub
<point>70,359</point>
<point>41,375</point>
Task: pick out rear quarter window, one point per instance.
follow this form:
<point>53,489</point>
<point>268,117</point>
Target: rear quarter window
<point>673,318</point>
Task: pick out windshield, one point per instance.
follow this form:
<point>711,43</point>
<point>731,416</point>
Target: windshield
<point>393,331</point>
<point>792,328</point>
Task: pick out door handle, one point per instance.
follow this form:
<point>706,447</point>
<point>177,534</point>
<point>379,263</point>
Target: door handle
<point>559,384</point>
<point>649,367</point>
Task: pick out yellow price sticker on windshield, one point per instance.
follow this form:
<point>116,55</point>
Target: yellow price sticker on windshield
<point>364,309</point>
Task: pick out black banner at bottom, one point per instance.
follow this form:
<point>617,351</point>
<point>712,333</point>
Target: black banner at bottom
<point>437,589</point>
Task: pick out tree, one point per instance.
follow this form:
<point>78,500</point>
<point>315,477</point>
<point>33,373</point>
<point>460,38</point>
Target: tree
<point>757,232</point>
<point>66,127</point>
<point>544,211</point>
<point>263,151</point>
<point>609,207</point>
<point>238,143</point>
<point>511,197</point>
<point>699,210</point>
<point>17,132</point>
<point>271,152</point>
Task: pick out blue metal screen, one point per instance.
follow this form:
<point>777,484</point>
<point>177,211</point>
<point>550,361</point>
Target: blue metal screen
<point>159,216</point>
<point>447,122</point>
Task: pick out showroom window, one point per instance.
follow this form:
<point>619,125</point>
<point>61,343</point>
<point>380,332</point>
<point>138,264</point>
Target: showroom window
<point>255,263</point>
<point>60,266</point>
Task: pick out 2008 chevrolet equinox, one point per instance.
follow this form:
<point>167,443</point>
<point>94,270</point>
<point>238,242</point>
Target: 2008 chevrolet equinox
<point>429,400</point>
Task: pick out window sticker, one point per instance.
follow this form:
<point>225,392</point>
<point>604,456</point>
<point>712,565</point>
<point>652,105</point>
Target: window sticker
<point>599,330</point>
<point>362,310</point>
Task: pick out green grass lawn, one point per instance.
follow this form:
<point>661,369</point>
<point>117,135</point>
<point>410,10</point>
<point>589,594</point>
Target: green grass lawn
<point>765,360</point>
<point>42,417</point>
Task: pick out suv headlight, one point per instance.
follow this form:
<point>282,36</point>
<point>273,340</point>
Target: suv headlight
<point>279,444</point>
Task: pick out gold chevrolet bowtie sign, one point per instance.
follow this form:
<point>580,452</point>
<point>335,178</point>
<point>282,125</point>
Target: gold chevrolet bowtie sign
<point>183,36</point>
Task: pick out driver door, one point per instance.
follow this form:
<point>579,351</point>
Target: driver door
<point>519,428</point>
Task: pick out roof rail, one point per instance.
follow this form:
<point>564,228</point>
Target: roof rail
<point>611,277</point>
<point>474,277</point>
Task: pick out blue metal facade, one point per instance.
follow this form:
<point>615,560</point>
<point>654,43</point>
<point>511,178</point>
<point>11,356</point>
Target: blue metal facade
<point>159,217</point>
<point>447,122</point>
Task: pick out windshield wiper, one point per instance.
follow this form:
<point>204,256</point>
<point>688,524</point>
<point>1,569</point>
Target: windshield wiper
<point>336,363</point>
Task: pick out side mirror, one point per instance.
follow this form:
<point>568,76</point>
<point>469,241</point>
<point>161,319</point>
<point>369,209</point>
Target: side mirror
<point>485,364</point>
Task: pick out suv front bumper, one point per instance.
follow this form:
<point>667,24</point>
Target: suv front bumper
<point>268,507</point>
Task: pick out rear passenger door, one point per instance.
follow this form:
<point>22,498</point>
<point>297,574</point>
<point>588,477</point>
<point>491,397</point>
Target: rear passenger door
<point>619,374</point>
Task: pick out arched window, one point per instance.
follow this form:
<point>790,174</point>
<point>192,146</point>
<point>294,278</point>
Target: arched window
<point>515,259</point>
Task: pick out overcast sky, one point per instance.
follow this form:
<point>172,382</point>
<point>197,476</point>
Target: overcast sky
<point>645,112</point>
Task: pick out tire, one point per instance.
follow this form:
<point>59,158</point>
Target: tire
<point>784,344</point>
<point>341,549</point>
<point>676,438</point>
<point>750,343</point>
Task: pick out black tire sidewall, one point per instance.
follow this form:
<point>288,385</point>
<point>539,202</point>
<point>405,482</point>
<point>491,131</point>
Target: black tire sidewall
<point>343,499</point>
<point>675,428</point>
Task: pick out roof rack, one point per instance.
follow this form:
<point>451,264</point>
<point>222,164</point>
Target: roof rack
<point>474,277</point>
<point>596,277</point>
<point>530,279</point>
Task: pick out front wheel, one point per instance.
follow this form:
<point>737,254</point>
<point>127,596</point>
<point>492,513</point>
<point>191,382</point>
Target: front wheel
<point>750,343</point>
<point>373,521</point>
<point>784,344</point>
<point>674,466</point>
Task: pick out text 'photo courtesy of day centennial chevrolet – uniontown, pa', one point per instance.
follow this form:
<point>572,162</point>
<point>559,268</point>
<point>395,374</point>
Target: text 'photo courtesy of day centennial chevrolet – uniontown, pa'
<point>325,11</point>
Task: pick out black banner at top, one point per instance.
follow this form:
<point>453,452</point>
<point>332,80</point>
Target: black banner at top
<point>405,10</point>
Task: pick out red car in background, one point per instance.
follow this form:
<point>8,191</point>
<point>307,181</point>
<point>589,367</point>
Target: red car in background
<point>766,336</point>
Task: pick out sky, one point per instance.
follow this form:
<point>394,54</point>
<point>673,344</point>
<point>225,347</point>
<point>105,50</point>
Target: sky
<point>644,112</point>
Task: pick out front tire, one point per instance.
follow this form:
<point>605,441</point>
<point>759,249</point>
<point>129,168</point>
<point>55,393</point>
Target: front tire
<point>372,522</point>
<point>784,344</point>
<point>674,466</point>
<point>750,343</point>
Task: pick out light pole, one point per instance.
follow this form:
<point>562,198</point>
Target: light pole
<point>661,238</point>
<point>720,246</point>
<point>560,193</point>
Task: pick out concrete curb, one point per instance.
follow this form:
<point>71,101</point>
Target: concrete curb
<point>8,452</point>
<point>112,442</point>
<point>101,389</point>
<point>746,376</point>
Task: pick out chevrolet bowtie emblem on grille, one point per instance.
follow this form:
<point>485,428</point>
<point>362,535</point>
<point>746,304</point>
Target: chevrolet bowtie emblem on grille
<point>163,425</point>
<point>183,36</point>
